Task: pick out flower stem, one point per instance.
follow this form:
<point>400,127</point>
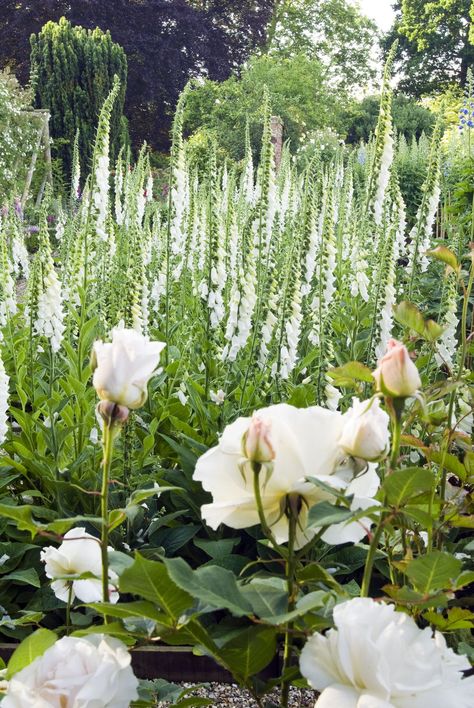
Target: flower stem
<point>107,444</point>
<point>293,513</point>
<point>395,407</point>
<point>256,468</point>
<point>68,609</point>
<point>369,563</point>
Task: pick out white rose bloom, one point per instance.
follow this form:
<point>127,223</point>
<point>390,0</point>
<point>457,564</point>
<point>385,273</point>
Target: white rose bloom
<point>85,672</point>
<point>124,367</point>
<point>304,442</point>
<point>379,658</point>
<point>365,433</point>
<point>78,554</point>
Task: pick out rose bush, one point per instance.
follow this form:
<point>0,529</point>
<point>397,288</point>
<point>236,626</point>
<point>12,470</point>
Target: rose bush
<point>378,658</point>
<point>86,672</point>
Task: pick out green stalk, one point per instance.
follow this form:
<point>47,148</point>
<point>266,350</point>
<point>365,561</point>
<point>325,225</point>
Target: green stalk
<point>395,407</point>
<point>256,468</point>
<point>104,505</point>
<point>369,563</point>
<point>290,580</point>
<point>68,609</point>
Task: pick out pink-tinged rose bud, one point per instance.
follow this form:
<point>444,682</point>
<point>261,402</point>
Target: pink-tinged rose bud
<point>396,375</point>
<point>256,443</point>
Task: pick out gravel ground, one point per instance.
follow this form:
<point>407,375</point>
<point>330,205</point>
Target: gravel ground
<point>229,695</point>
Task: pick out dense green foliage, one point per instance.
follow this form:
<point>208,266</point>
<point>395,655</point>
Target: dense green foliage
<point>73,71</point>
<point>434,44</point>
<point>166,43</point>
<point>410,119</point>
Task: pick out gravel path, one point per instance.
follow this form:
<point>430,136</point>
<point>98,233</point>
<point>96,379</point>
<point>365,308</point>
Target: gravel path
<point>229,695</point>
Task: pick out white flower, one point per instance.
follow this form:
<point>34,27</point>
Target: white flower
<point>125,366</point>
<point>78,554</point>
<point>76,672</point>
<point>181,394</point>
<point>365,432</point>
<point>396,375</point>
<point>304,442</point>
<point>217,397</point>
<point>379,658</point>
<point>50,320</point>
<point>4,404</point>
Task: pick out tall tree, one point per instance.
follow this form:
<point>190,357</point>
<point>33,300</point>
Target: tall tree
<point>434,43</point>
<point>333,31</point>
<point>72,73</point>
<point>166,42</point>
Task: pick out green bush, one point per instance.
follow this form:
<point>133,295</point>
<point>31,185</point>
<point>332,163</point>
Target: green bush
<point>72,72</point>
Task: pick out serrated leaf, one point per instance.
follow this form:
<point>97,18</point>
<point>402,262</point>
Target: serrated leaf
<point>351,373</point>
<point>436,570</point>
<point>250,651</point>
<point>211,584</point>
<point>325,514</point>
<point>29,576</point>
<point>124,610</point>
<point>404,484</point>
<point>408,315</point>
<point>445,255</point>
<point>457,618</point>
<point>406,596</point>
<point>150,579</point>
<point>267,596</point>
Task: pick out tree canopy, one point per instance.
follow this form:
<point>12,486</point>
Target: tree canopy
<point>166,43</point>
<point>72,72</point>
<point>435,46</point>
<point>333,31</point>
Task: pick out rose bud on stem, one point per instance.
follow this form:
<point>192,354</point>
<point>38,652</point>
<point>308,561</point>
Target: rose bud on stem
<point>122,369</point>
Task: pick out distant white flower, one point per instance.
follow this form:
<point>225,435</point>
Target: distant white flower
<point>217,397</point>
<point>78,554</point>
<point>4,402</point>
<point>181,395</point>
<point>378,658</point>
<point>50,318</point>
<point>76,672</point>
